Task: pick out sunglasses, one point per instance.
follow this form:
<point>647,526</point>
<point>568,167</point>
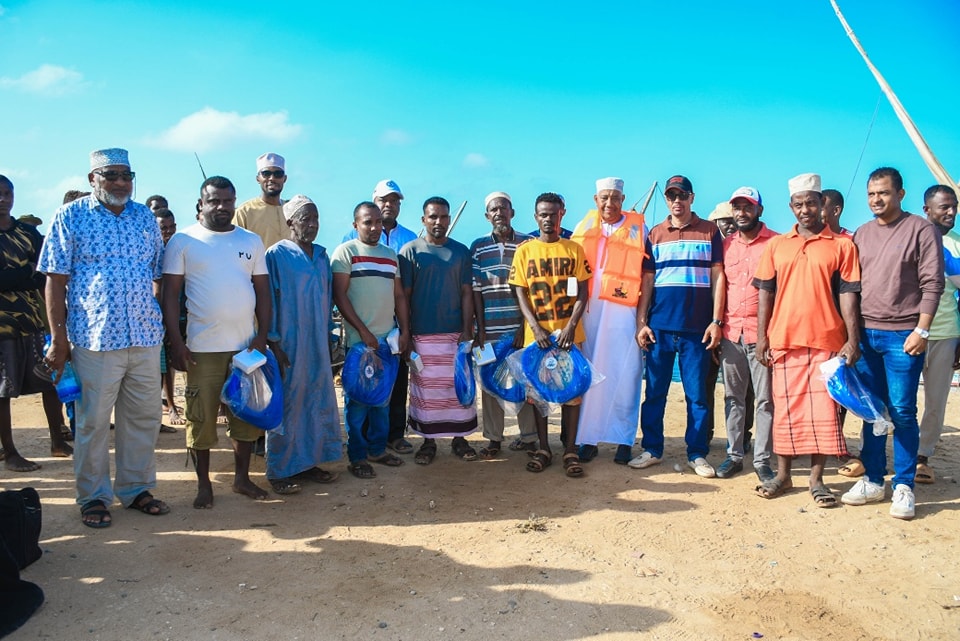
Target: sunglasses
<point>677,195</point>
<point>266,173</point>
<point>114,176</point>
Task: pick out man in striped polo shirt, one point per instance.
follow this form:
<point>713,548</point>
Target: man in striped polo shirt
<point>498,314</point>
<point>679,317</point>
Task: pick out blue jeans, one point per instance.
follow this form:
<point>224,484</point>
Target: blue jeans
<point>371,441</point>
<point>694,365</point>
<point>893,375</point>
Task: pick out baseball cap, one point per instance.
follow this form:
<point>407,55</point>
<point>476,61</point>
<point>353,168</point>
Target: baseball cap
<point>749,193</point>
<point>679,182</point>
<point>385,188</point>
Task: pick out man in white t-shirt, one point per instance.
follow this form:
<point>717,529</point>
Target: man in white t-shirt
<point>227,289</point>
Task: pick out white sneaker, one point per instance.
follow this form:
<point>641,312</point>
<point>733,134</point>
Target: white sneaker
<point>702,468</point>
<point>863,492</point>
<point>903,503</point>
<point>646,459</point>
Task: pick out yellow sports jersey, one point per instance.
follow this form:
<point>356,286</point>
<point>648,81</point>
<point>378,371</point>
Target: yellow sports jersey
<point>545,270</point>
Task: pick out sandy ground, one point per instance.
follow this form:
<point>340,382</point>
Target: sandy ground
<point>487,550</point>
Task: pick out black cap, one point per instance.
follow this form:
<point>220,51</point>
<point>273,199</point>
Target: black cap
<point>679,182</point>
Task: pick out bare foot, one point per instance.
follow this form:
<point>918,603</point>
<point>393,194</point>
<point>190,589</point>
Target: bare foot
<point>60,449</point>
<point>204,500</point>
<point>173,416</point>
<point>16,463</point>
<point>248,488</point>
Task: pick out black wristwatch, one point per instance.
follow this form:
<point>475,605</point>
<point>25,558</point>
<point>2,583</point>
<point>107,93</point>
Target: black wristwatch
<point>717,322</point>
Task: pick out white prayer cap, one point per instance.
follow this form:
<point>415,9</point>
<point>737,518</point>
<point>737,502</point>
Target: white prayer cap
<point>106,157</point>
<point>270,159</point>
<point>496,194</point>
<point>615,184</point>
<point>387,187</point>
<point>295,204</point>
<point>804,182</point>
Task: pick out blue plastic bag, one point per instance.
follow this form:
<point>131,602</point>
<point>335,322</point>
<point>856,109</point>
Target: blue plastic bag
<point>496,377</point>
<point>846,388</point>
<point>257,397</point>
<point>463,379</point>
<point>556,375</point>
<point>368,374</point>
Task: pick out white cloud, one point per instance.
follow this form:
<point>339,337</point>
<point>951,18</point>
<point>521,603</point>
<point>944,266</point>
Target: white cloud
<point>50,80</point>
<point>209,129</point>
<point>474,160</point>
<point>395,137</point>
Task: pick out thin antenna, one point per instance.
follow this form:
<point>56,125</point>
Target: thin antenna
<point>201,165</point>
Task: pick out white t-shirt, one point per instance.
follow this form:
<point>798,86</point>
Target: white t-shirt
<point>217,268</point>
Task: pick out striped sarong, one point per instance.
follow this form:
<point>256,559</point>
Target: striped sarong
<point>434,408</point>
<point>805,419</point>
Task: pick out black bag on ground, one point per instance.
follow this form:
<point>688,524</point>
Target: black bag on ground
<point>19,599</point>
<point>20,521</point>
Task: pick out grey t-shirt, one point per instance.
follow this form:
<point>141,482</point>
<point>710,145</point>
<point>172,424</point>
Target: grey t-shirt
<point>435,274</point>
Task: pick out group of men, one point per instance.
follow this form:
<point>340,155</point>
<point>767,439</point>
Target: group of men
<point>768,308</point>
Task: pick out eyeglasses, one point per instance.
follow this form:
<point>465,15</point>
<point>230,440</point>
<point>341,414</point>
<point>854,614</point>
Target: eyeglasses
<point>677,195</point>
<point>114,176</point>
<point>266,173</point>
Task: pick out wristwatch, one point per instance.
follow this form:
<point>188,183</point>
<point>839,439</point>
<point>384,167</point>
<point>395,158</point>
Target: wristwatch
<point>717,322</point>
<point>924,334</point>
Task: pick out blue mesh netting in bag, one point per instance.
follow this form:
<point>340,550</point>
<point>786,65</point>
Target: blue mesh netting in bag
<point>257,397</point>
<point>368,374</point>
<point>463,381</point>
<point>496,377</point>
<point>846,388</point>
<point>556,375</point>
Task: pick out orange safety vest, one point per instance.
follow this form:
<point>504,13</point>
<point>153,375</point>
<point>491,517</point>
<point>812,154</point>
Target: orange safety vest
<point>623,268</point>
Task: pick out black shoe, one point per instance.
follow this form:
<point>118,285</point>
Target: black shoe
<point>729,467</point>
<point>587,453</point>
<point>624,454</point>
<point>764,472</point>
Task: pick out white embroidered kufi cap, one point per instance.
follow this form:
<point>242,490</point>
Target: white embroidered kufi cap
<point>804,182</point>
<point>615,184</point>
<point>496,194</point>
<point>270,159</point>
<point>106,157</point>
<point>295,204</point>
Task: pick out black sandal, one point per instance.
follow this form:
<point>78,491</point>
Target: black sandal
<point>362,470</point>
<point>98,509</point>
<point>426,453</point>
<point>539,461</point>
<point>462,449</point>
<point>148,505</point>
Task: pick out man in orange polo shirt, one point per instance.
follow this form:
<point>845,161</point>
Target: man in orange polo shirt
<point>800,276</point>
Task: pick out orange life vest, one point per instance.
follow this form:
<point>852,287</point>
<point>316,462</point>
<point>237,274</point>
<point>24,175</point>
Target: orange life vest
<point>623,267</point>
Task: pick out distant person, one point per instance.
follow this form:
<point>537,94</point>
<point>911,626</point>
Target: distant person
<point>808,313</point>
<point>263,214</point>
<point>168,227</point>
<point>369,293</point>
<point>722,217</point>
<point>901,260</point>
<point>156,202</point>
<point>102,257</point>
<point>437,276</point>
<point>943,346</point>
<point>613,242</point>
<point>746,382</point>
<point>498,314</point>
<point>832,209</point>
<point>224,273</point>
<point>531,275</point>
<point>22,333</point>
<point>388,198</point>
<point>74,194</point>
<point>301,284</point>
<point>679,317</point>
<point>30,219</point>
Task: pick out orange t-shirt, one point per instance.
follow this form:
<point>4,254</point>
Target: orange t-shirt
<point>808,276</point>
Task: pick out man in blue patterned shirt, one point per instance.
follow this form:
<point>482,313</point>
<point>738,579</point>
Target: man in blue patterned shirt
<point>102,257</point>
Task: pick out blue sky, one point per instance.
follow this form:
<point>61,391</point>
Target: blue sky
<point>459,101</point>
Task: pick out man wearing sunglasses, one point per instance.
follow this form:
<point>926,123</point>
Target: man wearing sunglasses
<point>263,215</point>
<point>102,258</point>
<point>679,317</point>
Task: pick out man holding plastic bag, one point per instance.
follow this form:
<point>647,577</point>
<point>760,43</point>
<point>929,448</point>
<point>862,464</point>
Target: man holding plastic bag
<point>550,276</point>
<point>368,292</point>
<point>224,272</point>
